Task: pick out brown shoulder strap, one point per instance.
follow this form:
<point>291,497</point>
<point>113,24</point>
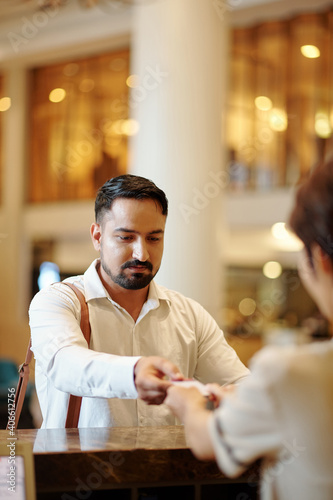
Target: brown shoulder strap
<point>84,324</point>
<point>74,405</point>
<point>24,371</point>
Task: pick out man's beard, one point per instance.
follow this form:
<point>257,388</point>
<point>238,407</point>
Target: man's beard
<point>136,281</point>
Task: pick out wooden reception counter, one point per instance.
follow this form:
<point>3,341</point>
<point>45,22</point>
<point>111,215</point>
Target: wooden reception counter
<point>151,463</point>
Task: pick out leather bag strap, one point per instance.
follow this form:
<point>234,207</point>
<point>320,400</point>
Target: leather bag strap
<point>74,405</point>
<point>21,388</point>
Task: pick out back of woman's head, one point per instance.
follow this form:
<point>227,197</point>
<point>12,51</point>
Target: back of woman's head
<point>312,215</point>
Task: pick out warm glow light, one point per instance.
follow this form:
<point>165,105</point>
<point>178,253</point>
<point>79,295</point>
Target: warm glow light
<point>118,64</point>
<point>247,306</point>
<point>125,127</point>
<point>278,120</point>
<point>310,51</point>
<point>86,85</point>
<point>57,95</point>
<point>263,103</point>
<point>284,240</point>
<point>322,125</point>
<point>279,231</point>
<point>130,127</point>
<point>132,81</point>
<point>5,103</point>
<point>71,69</point>
<point>272,269</point>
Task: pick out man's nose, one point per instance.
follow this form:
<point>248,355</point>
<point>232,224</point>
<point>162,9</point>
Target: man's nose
<point>140,251</point>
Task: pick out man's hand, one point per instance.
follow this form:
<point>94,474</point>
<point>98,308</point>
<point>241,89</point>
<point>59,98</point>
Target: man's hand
<point>150,378</point>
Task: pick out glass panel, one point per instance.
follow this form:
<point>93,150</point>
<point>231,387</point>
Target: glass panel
<point>79,126</point>
<point>280,114</point>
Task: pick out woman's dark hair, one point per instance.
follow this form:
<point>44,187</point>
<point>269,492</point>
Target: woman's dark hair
<point>128,186</point>
<point>312,215</point>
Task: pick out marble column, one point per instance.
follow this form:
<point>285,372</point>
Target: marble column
<point>179,54</point>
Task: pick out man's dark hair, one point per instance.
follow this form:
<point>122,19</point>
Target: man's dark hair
<point>128,186</point>
<point>312,216</point>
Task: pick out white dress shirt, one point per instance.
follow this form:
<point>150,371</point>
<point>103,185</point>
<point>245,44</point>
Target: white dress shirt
<point>284,413</point>
<point>169,325</point>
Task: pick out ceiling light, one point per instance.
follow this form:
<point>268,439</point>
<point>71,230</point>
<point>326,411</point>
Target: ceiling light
<point>263,103</point>
<point>247,306</point>
<point>57,95</point>
<point>5,103</point>
<point>133,81</point>
<point>284,240</point>
<point>130,127</point>
<point>310,51</point>
<point>322,125</point>
<point>278,120</point>
<point>272,269</point>
<point>279,231</point>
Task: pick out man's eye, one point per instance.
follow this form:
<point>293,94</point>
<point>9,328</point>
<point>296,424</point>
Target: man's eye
<point>153,238</point>
<point>124,238</point>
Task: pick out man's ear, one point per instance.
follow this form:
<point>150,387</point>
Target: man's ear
<point>96,234</point>
<point>321,259</point>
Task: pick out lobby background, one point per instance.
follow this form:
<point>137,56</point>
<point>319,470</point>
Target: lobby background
<point>171,123</point>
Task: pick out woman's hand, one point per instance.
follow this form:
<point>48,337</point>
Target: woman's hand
<point>181,400</point>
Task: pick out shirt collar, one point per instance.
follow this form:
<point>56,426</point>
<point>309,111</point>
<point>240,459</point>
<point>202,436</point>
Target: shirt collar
<point>156,294</point>
<point>94,288</point>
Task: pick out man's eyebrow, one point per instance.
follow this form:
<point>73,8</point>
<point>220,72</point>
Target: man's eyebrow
<point>126,230</point>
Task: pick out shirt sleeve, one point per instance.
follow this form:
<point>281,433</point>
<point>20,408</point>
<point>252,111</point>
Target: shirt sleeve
<point>62,353</point>
<point>245,427</point>
<point>217,360</point>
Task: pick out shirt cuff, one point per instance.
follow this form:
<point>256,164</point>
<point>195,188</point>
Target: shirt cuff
<point>123,384</point>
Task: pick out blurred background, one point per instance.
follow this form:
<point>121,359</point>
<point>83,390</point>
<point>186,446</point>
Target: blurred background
<point>224,104</point>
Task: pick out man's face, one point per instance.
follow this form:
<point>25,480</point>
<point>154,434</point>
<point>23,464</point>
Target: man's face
<point>130,241</point>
